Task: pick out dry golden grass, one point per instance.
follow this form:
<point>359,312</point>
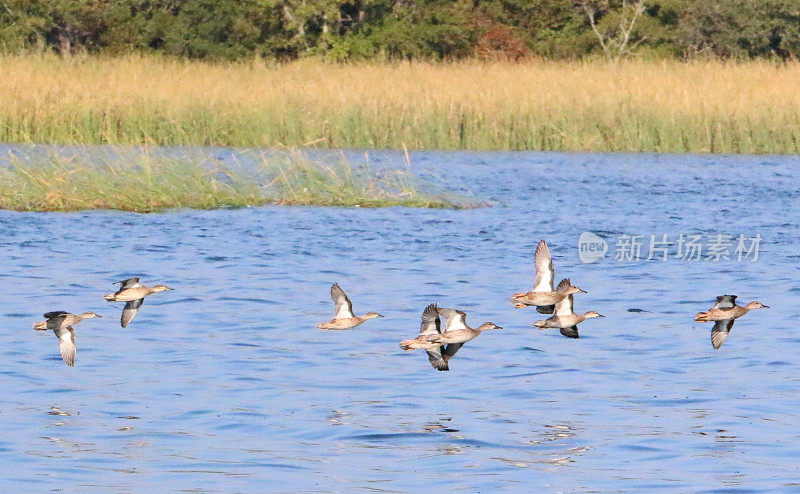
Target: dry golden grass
<point>749,107</point>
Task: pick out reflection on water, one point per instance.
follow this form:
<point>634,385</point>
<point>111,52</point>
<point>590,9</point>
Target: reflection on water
<point>226,386</point>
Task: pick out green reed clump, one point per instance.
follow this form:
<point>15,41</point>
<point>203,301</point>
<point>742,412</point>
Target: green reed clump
<point>301,181</point>
<point>143,182</point>
<point>58,183</point>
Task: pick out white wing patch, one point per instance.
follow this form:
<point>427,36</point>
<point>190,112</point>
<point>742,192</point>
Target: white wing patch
<point>725,302</point>
<point>545,274</point>
<point>344,312</point>
<point>564,307</point>
<point>66,344</point>
<point>455,319</point>
<point>344,308</point>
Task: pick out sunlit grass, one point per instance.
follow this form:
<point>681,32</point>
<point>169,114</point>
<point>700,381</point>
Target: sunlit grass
<point>703,106</point>
<point>145,182</point>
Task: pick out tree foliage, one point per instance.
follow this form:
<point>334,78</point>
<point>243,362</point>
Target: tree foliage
<point>405,29</point>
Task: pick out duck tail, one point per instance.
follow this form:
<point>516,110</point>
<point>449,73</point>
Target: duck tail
<point>701,317</point>
<point>520,300</point>
<point>546,309</point>
<point>406,344</point>
<point>110,297</point>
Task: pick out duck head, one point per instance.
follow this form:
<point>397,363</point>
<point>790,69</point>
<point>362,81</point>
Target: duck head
<point>488,325</point>
<point>372,315</point>
<point>574,289</point>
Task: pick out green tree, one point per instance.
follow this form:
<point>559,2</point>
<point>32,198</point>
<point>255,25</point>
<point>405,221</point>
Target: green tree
<point>405,29</point>
<point>63,25</point>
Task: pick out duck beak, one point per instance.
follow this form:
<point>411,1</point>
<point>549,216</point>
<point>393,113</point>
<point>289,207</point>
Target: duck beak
<point>581,291</point>
<point>98,315</point>
<point>498,327</point>
<point>600,315</point>
<point>765,306</point>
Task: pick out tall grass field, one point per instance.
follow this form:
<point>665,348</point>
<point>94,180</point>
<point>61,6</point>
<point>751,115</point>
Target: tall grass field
<point>715,107</point>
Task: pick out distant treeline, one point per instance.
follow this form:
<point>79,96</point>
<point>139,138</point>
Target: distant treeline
<point>405,29</point>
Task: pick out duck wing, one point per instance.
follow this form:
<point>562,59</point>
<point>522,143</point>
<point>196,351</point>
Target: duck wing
<point>564,308</point>
<point>55,314</point>
<point>570,332</point>
<point>66,344</point>
<point>431,324</point>
<point>720,332</point>
<point>451,350</point>
<point>725,302</point>
<point>130,310</point>
<point>344,307</point>
<point>545,273</point>
<point>55,320</point>
<point>437,361</point>
<point>440,358</point>
<point>549,309</point>
<point>545,309</point>
<point>129,283</point>
<point>454,319</point>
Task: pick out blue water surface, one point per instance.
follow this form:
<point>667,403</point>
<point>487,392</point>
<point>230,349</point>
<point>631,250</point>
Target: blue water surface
<point>225,385</point>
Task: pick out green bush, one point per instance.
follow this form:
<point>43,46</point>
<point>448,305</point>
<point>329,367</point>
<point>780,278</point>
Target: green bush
<point>420,29</point>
